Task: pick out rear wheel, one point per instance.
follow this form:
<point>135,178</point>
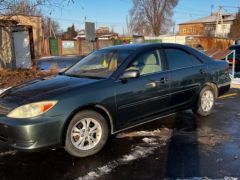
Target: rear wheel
<point>87,133</point>
<point>206,101</point>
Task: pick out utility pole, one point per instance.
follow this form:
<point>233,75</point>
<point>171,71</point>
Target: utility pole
<point>50,27</point>
<point>212,6</point>
<point>174,24</point>
<point>219,19</point>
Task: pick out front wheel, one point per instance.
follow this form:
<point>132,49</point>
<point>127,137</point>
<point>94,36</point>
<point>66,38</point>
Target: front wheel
<point>87,133</point>
<point>206,101</point>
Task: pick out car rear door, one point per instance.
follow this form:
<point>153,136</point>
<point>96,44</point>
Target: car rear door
<point>187,75</point>
<point>143,97</point>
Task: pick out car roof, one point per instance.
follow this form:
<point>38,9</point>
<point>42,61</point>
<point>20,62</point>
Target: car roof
<point>137,47</point>
<point>234,46</point>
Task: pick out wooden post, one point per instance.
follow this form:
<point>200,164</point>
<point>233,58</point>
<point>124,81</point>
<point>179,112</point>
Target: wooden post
<point>60,46</point>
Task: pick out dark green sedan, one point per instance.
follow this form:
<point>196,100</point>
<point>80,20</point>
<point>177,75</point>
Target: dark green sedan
<point>108,91</point>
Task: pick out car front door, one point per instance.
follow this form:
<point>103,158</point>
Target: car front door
<point>187,75</point>
<point>143,97</point>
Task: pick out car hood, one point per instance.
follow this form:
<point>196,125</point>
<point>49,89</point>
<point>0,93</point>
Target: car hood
<point>41,89</point>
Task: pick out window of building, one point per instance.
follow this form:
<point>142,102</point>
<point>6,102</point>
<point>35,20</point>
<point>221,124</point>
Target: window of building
<point>178,58</point>
<point>190,30</point>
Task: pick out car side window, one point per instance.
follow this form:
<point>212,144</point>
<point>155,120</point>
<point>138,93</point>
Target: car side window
<point>178,58</point>
<point>147,63</point>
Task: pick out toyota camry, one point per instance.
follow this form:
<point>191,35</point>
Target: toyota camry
<point>108,91</point>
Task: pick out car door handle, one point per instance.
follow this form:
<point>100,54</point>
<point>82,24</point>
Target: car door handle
<point>163,80</point>
<point>201,71</point>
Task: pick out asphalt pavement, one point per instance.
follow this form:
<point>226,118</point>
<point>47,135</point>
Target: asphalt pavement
<point>182,146</point>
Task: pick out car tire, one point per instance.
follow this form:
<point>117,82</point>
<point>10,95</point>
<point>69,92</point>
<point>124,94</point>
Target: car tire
<point>206,101</point>
<point>87,134</point>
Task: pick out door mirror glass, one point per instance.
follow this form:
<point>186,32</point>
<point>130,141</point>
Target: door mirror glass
<point>130,74</point>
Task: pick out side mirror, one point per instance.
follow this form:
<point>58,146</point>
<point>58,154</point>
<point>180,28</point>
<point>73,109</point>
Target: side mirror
<point>130,74</point>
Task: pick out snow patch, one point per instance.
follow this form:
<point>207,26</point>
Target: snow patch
<point>8,153</point>
<point>137,153</point>
<point>142,150</point>
<point>236,81</point>
<point>163,133</point>
<point>105,169</point>
<point>149,140</point>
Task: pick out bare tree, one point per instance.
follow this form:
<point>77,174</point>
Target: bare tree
<point>23,7</point>
<point>234,31</point>
<point>50,27</point>
<point>33,8</point>
<point>151,17</point>
<point>129,25</point>
<point>30,7</point>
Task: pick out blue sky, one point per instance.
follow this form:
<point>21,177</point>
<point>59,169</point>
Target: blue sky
<point>113,13</point>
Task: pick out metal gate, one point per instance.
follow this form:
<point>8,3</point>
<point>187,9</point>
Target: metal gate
<point>232,72</point>
<point>54,50</point>
<point>22,49</point>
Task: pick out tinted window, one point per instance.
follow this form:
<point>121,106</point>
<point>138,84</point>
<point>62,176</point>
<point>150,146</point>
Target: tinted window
<point>179,59</point>
<point>236,48</point>
<point>148,63</point>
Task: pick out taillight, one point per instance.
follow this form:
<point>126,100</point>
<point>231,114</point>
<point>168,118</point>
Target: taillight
<point>230,60</point>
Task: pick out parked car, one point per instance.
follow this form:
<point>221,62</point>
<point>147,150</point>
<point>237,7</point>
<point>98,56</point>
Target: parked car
<point>237,57</point>
<point>59,62</point>
<point>108,91</point>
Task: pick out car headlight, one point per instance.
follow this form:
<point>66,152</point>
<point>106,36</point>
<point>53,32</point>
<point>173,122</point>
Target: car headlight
<point>32,110</point>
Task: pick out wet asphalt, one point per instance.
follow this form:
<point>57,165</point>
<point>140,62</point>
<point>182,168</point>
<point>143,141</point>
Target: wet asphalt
<point>189,146</point>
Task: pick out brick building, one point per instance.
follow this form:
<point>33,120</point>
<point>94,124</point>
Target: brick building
<point>207,26</point>
<point>36,26</point>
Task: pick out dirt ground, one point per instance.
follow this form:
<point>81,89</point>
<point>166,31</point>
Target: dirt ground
<point>10,78</point>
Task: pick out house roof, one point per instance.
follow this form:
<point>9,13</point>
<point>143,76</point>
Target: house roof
<point>211,19</point>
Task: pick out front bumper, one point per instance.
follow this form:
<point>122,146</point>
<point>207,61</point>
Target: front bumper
<point>29,134</point>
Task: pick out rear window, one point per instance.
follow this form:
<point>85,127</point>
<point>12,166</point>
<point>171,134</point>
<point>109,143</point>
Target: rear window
<point>178,58</point>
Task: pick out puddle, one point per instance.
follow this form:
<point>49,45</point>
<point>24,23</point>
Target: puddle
<point>205,135</point>
<point>206,178</point>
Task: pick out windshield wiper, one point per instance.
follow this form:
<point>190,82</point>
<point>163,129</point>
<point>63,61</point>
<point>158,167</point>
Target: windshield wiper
<point>83,76</point>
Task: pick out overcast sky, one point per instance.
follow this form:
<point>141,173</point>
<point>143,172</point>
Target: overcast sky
<point>113,13</point>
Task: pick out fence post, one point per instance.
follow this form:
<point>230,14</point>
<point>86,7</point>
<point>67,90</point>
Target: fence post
<point>78,46</point>
<point>60,46</point>
<point>47,47</point>
<point>234,60</point>
<point>97,44</point>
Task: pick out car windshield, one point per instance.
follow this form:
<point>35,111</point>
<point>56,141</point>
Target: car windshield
<point>100,64</point>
